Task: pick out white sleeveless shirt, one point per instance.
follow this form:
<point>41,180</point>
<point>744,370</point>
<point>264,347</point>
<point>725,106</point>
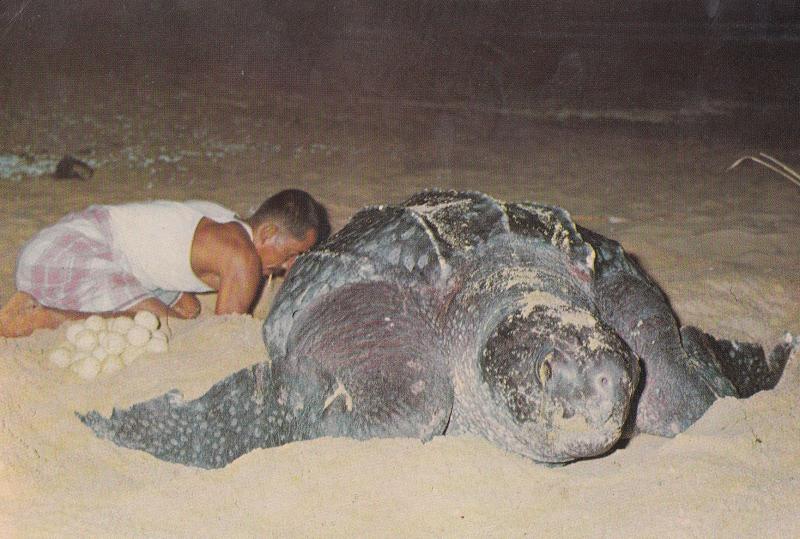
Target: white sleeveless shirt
<point>156,238</point>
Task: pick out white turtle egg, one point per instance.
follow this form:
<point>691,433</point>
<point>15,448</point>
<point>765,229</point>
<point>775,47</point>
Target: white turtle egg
<point>138,336</point>
<point>112,364</point>
<point>113,343</point>
<point>131,354</point>
<point>73,330</point>
<point>76,357</point>
<point>61,356</point>
<point>102,336</point>
<point>157,346</point>
<point>95,323</point>
<point>86,340</point>
<point>146,319</point>
<point>99,352</point>
<point>87,367</point>
<point>121,324</point>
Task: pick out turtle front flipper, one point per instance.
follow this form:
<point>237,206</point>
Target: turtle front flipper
<point>378,362</point>
<point>237,415</point>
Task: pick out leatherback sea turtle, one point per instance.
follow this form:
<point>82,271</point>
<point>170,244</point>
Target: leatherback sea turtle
<point>457,313</point>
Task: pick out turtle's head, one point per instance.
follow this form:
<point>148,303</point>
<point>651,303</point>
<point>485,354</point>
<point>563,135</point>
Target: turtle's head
<point>561,381</point>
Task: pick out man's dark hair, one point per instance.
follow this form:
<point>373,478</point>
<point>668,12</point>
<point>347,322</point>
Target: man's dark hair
<point>296,211</point>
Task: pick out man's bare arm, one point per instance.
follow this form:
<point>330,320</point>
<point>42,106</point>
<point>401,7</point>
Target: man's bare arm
<point>223,257</point>
<point>238,284</point>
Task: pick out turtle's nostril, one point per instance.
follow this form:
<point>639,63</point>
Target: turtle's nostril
<point>608,381</point>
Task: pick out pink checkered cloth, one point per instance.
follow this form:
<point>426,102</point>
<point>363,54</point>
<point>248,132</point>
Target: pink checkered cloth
<point>73,265</point>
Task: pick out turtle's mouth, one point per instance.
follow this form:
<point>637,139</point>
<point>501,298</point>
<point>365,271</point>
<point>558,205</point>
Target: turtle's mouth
<point>565,440</point>
<point>578,435</point>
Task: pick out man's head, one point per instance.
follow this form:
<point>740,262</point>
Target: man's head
<point>287,224</point>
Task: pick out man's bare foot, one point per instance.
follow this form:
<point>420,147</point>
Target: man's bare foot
<point>185,307</point>
<point>23,314</point>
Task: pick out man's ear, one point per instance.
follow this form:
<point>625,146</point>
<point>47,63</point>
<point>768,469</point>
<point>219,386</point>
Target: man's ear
<point>310,236</point>
<point>265,233</point>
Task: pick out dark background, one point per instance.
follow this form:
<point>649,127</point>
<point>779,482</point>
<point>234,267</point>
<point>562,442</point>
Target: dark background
<point>501,53</point>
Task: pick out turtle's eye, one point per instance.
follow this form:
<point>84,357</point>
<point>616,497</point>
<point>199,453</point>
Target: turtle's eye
<point>544,365</point>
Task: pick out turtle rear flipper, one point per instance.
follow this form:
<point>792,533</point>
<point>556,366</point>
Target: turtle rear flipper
<point>744,369</point>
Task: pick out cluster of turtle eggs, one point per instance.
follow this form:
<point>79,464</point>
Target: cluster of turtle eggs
<point>97,345</point>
